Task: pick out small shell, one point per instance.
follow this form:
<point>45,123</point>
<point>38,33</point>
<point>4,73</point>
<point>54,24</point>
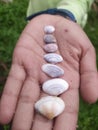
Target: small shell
<point>52,70</point>
<point>55,86</point>
<point>53,58</point>
<point>51,48</point>
<point>49,29</point>
<point>50,106</point>
<point>48,38</point>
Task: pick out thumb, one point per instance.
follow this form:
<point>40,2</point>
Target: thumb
<point>89,76</point>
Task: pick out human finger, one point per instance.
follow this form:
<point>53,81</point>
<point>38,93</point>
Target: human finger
<point>40,121</point>
<point>11,92</point>
<point>25,109</point>
<point>89,76</point>
<point>71,99</point>
<point>68,119</point>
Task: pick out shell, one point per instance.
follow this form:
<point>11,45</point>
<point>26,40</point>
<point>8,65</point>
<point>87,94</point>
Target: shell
<point>48,38</point>
<point>49,29</point>
<point>51,48</point>
<point>52,70</point>
<point>50,106</point>
<point>55,86</point>
<point>53,58</point>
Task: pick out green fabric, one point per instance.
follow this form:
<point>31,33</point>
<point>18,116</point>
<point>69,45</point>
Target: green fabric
<point>79,8</point>
<point>38,5</point>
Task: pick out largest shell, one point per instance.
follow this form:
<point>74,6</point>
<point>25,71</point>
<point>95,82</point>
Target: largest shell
<point>50,106</point>
<point>55,86</point>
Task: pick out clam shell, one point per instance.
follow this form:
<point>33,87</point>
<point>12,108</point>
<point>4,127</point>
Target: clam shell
<point>49,29</point>
<point>51,48</point>
<point>49,38</point>
<point>50,106</point>
<point>55,86</point>
<point>52,70</point>
<point>53,58</point>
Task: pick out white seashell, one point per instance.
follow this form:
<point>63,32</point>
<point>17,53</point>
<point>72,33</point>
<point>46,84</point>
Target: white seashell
<point>49,29</point>
<point>50,106</point>
<point>55,86</point>
<point>52,70</point>
<point>48,38</point>
<point>53,58</point>
<point>51,47</point>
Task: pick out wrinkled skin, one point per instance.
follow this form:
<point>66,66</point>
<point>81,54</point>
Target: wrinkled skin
<point>23,86</point>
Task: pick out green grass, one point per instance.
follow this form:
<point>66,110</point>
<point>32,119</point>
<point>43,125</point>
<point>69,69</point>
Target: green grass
<point>12,22</point>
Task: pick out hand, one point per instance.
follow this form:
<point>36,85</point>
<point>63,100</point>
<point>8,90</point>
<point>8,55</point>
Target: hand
<point>22,88</point>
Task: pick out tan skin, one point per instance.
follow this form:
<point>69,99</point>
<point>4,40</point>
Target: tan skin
<point>23,86</point>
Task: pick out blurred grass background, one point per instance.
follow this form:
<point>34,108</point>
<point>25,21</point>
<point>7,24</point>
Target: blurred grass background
<point>12,22</point>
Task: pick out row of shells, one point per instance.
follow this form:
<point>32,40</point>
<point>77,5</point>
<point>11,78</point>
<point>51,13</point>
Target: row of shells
<point>51,106</point>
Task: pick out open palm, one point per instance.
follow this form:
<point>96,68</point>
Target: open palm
<point>23,86</point>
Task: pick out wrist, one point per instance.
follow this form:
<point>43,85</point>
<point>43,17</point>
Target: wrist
<point>54,11</point>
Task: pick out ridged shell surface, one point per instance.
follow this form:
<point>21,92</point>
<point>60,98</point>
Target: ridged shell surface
<point>49,29</point>
<point>49,38</point>
<point>50,106</point>
<point>53,58</point>
<point>50,48</point>
<point>52,70</point>
<point>55,86</point>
